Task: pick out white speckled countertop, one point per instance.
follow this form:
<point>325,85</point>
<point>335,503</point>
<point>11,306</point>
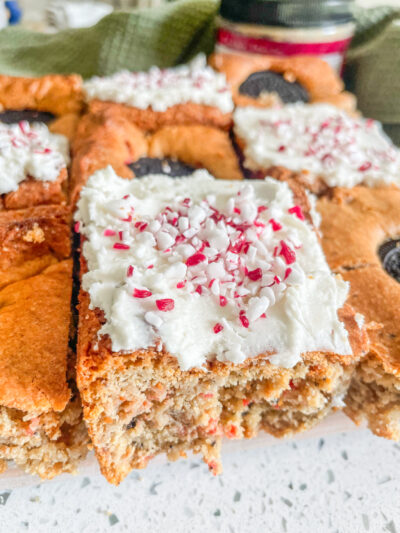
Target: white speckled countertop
<point>348,482</point>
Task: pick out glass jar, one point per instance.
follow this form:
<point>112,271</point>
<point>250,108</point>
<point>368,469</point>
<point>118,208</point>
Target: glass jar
<point>322,28</point>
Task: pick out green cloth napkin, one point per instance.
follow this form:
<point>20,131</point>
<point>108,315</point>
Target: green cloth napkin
<point>373,66</point>
<point>176,31</point>
<point>136,40</point>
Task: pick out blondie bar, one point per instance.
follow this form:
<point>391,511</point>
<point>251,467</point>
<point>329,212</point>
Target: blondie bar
<point>206,309</point>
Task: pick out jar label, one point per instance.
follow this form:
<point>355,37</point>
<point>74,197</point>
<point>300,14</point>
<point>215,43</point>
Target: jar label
<point>332,51</point>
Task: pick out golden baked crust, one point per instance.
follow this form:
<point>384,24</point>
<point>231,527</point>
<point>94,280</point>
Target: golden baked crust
<point>315,75</point>
<point>109,137</point>
<point>102,139</point>
<point>373,216</point>
<point>54,93</point>
<point>34,330</point>
<point>32,192</point>
<point>355,223</point>
<point>32,239</point>
<point>180,114</point>
<point>198,146</point>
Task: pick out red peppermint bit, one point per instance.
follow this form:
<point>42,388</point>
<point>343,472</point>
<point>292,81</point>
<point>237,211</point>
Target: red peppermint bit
<point>121,235</point>
<point>127,219</point>
<point>276,251</point>
<point>121,246</point>
<point>213,467</point>
<point>365,166</point>
<point>150,266</point>
<point>275,225</point>
<point>288,271</point>
<point>259,224</point>
<point>129,272</point>
<point>22,127</point>
<point>180,284</point>
<point>186,202</point>
<point>109,233</point>
<point>237,210</point>
<point>263,315</point>
<point>218,327</point>
<point>33,426</point>
<point>222,301</point>
<point>245,402</point>
<point>126,197</point>
<point>211,283</point>
<point>77,227</point>
<point>255,274</point>
<point>166,304</point>
<point>141,226</point>
<point>296,210</point>
<point>243,319</point>
<point>288,254</point>
<point>212,427</point>
<point>199,289</point>
<point>203,245</point>
<point>231,431</point>
<point>195,259</point>
<point>179,239</point>
<point>277,280</point>
<point>207,395</point>
<point>292,385</point>
<point>282,148</point>
<point>261,208</point>
<point>141,293</point>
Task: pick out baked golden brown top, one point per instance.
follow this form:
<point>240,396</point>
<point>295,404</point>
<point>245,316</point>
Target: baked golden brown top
<point>32,239</point>
<point>54,93</point>
<point>355,223</point>
<point>34,332</point>
<point>104,138</point>
<point>150,120</point>
<point>316,76</point>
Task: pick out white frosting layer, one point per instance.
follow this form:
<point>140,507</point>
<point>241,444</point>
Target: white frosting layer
<point>163,88</point>
<point>264,283</point>
<point>321,139</point>
<point>30,150</point>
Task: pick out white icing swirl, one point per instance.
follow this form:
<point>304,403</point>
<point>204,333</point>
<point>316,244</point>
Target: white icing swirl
<point>160,89</point>
<point>152,242</point>
<point>30,151</point>
<point>320,139</point>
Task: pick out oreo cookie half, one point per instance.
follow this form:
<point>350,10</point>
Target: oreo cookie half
<point>169,167</point>
<point>13,116</point>
<point>273,82</point>
<point>389,253</point>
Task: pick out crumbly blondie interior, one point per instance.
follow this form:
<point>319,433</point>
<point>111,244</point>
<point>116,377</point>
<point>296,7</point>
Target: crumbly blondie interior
<point>46,444</point>
<point>374,395</point>
<point>142,406</point>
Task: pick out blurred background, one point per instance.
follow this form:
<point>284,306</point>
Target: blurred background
<point>47,15</point>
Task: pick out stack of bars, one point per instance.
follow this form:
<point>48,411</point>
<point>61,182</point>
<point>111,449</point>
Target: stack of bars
<point>236,243</point>
<point>41,427</point>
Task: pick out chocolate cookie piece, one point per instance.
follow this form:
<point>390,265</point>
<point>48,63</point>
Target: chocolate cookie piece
<point>273,82</point>
<point>13,116</point>
<point>389,254</point>
<point>169,167</point>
